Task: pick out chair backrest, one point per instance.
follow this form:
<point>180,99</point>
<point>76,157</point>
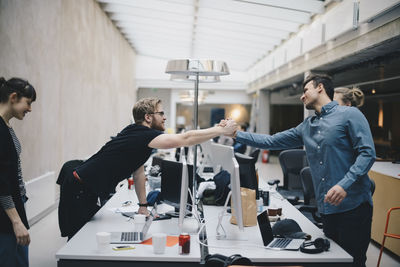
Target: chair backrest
<point>247,170</point>
<point>308,186</point>
<point>255,154</point>
<point>292,161</point>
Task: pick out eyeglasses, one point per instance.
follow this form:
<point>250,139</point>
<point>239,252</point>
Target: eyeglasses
<point>161,113</point>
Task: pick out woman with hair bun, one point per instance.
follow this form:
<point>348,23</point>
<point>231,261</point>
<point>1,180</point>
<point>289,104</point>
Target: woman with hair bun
<point>353,97</point>
<point>16,97</point>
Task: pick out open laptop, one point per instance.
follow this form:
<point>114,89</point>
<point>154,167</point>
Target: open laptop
<point>275,243</point>
<point>132,237</point>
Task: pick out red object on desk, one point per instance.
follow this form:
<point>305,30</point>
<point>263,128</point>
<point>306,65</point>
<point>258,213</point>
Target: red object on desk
<point>130,183</point>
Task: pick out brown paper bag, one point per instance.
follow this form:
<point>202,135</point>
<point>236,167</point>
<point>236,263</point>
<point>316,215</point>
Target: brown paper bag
<point>249,207</point>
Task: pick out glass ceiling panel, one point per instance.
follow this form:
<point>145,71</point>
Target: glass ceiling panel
<point>237,31</point>
<point>257,10</point>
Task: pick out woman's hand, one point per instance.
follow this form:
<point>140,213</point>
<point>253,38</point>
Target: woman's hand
<point>22,234</point>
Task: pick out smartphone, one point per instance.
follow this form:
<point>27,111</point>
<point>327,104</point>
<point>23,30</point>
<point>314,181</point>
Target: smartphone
<point>265,227</point>
<point>123,247</point>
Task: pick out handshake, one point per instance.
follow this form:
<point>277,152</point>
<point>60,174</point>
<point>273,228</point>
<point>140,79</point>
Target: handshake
<point>229,127</point>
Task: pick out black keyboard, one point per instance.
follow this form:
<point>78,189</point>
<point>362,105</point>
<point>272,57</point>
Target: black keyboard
<point>131,236</point>
<point>208,169</point>
<point>281,243</point>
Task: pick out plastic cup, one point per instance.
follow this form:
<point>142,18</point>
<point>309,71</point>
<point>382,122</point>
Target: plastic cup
<point>103,241</point>
<point>159,243</point>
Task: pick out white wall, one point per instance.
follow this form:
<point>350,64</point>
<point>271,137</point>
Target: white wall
<point>84,74</point>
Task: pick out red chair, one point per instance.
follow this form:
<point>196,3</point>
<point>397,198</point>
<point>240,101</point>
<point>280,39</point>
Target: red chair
<point>386,234</point>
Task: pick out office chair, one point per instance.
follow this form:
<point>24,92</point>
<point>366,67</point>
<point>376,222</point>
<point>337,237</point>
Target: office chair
<point>291,161</point>
<point>247,170</point>
<point>254,154</point>
<point>309,208</point>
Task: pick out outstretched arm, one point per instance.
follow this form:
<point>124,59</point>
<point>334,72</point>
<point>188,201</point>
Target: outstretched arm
<point>140,188</point>
<point>193,137</point>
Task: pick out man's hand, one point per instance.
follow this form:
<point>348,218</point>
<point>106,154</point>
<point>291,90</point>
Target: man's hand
<point>335,195</point>
<point>144,211</point>
<point>21,234</point>
<point>230,127</point>
<point>222,123</point>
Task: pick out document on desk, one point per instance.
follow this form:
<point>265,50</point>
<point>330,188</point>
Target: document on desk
<point>128,209</point>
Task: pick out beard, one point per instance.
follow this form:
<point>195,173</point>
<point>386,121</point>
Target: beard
<point>157,126</point>
<point>310,105</point>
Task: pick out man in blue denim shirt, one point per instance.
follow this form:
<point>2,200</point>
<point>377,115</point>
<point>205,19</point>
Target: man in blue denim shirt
<point>340,151</point>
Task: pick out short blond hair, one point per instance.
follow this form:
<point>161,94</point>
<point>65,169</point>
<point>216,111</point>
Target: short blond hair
<point>144,106</point>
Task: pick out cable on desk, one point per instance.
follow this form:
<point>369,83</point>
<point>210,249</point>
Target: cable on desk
<point>223,247</point>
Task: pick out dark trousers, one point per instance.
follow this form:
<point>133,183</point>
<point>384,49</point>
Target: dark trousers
<point>12,254</point>
<point>351,230</point>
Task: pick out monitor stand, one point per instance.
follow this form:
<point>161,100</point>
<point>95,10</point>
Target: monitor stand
<point>220,231</point>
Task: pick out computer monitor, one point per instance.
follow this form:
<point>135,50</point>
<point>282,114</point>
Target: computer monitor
<point>223,157</point>
<point>156,161</point>
<point>206,165</point>
<point>184,196</point>
<point>175,176</point>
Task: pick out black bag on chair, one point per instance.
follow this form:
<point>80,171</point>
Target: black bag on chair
<point>77,205</point>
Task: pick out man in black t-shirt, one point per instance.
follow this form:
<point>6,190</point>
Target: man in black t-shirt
<point>129,150</point>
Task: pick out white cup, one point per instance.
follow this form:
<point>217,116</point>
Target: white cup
<point>159,243</point>
<point>139,220</point>
<point>103,241</point>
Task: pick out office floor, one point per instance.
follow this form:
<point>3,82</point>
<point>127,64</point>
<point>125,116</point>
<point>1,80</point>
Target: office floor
<point>46,239</point>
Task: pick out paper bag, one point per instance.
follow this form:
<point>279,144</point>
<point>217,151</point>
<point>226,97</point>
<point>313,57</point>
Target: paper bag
<point>249,207</point>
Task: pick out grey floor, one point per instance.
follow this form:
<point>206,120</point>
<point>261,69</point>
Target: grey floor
<point>46,239</point>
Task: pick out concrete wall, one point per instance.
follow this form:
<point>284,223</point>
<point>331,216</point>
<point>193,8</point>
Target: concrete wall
<point>83,71</point>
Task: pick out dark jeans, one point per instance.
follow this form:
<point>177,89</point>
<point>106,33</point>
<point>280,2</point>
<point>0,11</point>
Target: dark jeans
<point>351,230</point>
<point>12,254</point>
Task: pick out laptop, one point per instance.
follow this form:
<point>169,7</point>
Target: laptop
<point>275,243</point>
<point>132,237</point>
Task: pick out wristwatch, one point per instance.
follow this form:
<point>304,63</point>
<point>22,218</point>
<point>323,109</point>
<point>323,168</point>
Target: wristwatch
<point>143,204</point>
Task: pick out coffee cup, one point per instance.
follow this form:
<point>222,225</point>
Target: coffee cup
<point>272,211</point>
<point>103,241</point>
<point>159,243</point>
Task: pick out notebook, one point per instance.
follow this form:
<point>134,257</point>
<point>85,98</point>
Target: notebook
<point>132,237</point>
<point>275,243</point>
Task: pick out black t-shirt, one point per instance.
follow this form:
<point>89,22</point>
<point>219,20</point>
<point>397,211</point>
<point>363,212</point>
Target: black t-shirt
<point>117,159</point>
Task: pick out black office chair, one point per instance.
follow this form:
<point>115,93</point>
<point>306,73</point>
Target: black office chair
<point>291,161</point>
<point>255,154</point>
<point>309,208</point>
<point>247,170</point>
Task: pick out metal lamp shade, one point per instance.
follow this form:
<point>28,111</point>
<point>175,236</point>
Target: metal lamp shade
<point>192,78</point>
<point>197,67</point>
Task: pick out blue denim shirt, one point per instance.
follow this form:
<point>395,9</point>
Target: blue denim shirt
<point>340,150</point>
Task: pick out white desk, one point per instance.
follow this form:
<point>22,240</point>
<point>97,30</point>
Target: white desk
<point>252,247</point>
<point>81,250</point>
